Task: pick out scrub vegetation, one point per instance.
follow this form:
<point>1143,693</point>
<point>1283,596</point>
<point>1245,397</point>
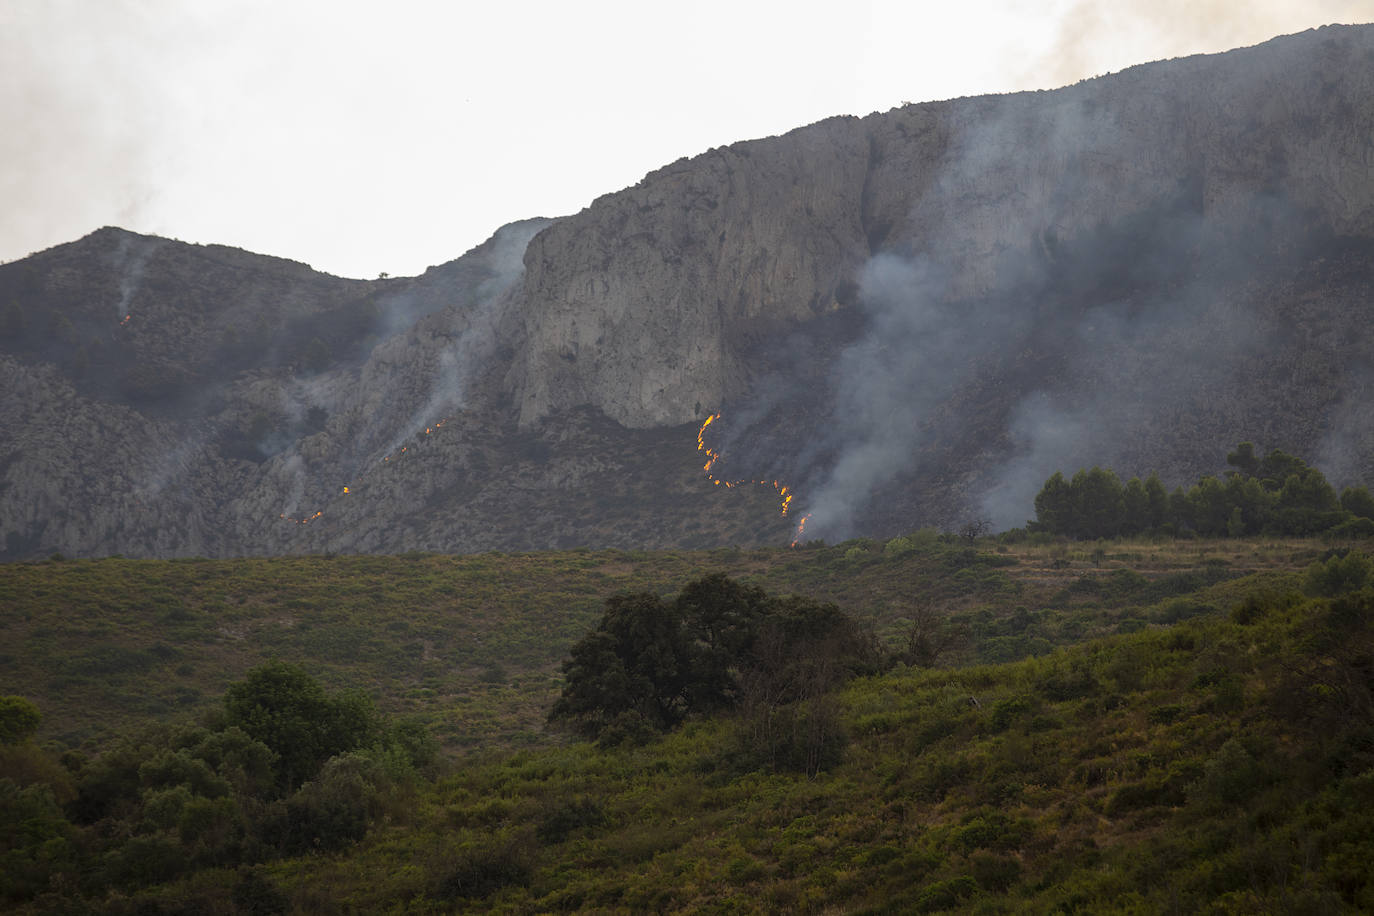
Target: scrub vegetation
<point>1008,724</point>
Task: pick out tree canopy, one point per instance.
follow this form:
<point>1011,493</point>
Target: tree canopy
<point>286,709</point>
<point>652,662</point>
<point>1278,494</point>
<point>19,719</point>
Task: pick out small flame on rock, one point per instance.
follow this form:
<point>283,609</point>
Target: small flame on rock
<point>428,431</point>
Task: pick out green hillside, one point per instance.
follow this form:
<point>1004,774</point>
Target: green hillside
<point>1102,727</point>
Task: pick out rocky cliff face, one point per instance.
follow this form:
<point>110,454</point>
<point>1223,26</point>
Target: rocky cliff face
<point>642,304</point>
<point>988,289</point>
<point>907,319</point>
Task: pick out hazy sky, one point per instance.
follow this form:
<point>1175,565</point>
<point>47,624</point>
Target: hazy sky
<point>363,137</point>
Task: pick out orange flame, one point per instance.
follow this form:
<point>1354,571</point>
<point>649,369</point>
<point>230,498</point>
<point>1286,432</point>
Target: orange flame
<point>127,319</point>
<point>428,431</point>
<point>712,456</point>
<point>348,488</point>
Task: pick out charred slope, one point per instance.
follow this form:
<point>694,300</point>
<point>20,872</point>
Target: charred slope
<point>908,318</point>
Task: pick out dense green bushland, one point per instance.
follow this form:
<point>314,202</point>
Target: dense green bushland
<point>1129,727</point>
<point>651,664</point>
<point>285,769</point>
<point>1278,495</point>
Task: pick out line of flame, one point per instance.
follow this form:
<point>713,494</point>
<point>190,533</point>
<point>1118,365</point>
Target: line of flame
<point>348,488</point>
<point>784,491</point>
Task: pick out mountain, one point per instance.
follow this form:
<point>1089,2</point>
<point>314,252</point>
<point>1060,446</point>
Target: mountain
<point>907,319</point>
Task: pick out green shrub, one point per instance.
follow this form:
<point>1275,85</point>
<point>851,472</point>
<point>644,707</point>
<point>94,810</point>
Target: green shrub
<point>562,821</point>
<point>993,872</point>
<point>944,895</point>
<point>35,839</point>
<point>1249,610</point>
<point>332,811</point>
<point>898,546</point>
<point>1230,777</point>
<point>990,830</point>
<point>1166,714</point>
<point>145,860</point>
<point>254,893</point>
<point>1355,529</point>
<point>1342,572</point>
<point>287,710</point>
<point>1180,609</point>
<point>482,871</point>
<point>1005,712</point>
<point>1069,680</point>
<point>19,719</point>
<point>1137,795</point>
<point>1124,583</point>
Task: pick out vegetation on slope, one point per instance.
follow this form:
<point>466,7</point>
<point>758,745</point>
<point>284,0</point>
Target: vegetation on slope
<point>471,645</point>
<point>1130,727</point>
<point>1223,764</point>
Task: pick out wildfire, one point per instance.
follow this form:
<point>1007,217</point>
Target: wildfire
<point>348,488</point>
<point>127,319</point>
<point>783,491</point>
<point>429,431</point>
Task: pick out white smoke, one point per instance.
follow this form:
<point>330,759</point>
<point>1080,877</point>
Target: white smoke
<point>131,258</point>
<point>1346,452</point>
<point>918,350</point>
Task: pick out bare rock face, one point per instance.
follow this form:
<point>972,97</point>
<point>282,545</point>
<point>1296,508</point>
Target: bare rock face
<point>907,319</point>
<point>643,304</point>
<point>639,305</point>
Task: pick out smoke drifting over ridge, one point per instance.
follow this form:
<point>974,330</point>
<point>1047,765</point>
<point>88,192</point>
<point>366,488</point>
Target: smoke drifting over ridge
<point>443,351</point>
<point>1090,356</point>
<point>470,334</point>
<point>1083,44</point>
<point>1011,330</point>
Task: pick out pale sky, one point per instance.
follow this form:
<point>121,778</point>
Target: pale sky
<point>362,137</point>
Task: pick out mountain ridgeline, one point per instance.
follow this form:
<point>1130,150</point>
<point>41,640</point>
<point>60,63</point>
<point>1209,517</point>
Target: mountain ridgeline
<point>909,319</point>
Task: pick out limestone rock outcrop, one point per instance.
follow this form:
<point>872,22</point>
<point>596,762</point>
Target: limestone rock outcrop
<point>642,304</point>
